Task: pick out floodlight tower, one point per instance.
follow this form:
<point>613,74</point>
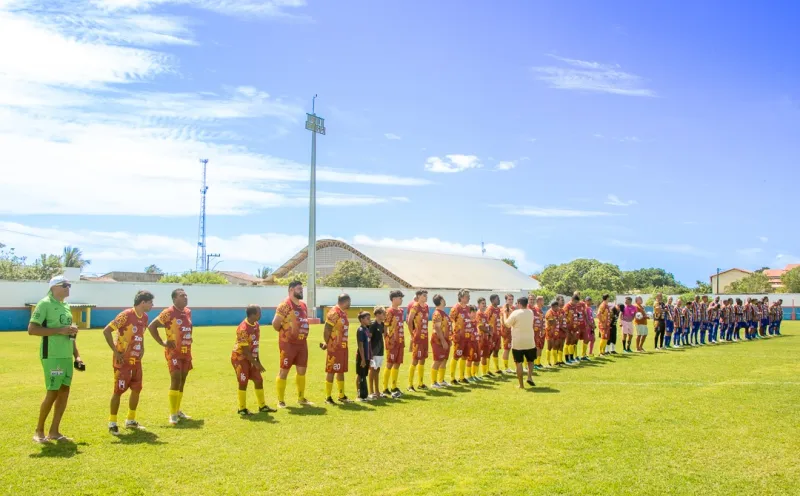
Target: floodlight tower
<point>316,125</point>
<point>201,263</point>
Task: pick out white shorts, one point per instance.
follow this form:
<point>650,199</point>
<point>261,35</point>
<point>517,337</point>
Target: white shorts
<point>376,362</point>
<point>641,329</point>
<point>627,328</point>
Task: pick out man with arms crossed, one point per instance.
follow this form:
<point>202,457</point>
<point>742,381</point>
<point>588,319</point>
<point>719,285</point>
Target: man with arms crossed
<point>440,342</point>
<point>522,342</point>
<point>506,331</point>
<point>336,360</point>
<point>418,330</point>
<point>52,321</point>
<point>394,342</point>
<point>291,322</point>
<point>177,321</point>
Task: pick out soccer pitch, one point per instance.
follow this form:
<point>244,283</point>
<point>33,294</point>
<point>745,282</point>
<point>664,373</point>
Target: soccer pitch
<point>713,420</point>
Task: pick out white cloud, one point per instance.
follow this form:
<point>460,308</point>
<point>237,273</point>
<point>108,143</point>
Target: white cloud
<point>630,139</point>
<point>74,101</point>
<point>505,165</point>
<point>685,249</point>
<point>441,246</point>
<point>592,76</point>
<point>598,135</point>
<point>392,136</point>
<point>531,140</point>
<point>452,163</point>
<point>549,212</point>
<point>265,8</point>
<point>763,239</point>
<point>615,201</point>
<point>785,258</point>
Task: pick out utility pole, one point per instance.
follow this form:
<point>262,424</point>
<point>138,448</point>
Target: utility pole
<point>717,280</point>
<point>208,259</point>
<point>316,125</point>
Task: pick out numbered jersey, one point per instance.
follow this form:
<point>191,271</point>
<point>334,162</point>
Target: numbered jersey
<point>294,326</point>
<point>129,327</point>
<point>247,336</point>
<point>459,315</point>
<point>418,321</point>
<point>337,319</point>
<point>538,319</point>
<point>394,326</point>
<point>178,326</point>
<point>493,319</point>
<point>440,317</point>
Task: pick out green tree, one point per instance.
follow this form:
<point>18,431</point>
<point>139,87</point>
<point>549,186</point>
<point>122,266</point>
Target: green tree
<point>292,276</point>
<point>46,267</point>
<point>264,272</point>
<point>73,257</point>
<point>548,294</point>
<point>352,274</point>
<point>195,278</point>
<point>582,274</point>
<point>791,281</point>
<point>754,283</point>
<point>153,269</point>
<point>15,268</point>
<point>511,262</point>
<point>639,279</point>
<point>702,287</point>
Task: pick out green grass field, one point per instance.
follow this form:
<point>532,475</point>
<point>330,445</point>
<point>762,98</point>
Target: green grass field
<point>712,420</point>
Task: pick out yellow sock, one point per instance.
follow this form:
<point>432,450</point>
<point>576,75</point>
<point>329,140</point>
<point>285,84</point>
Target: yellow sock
<point>411,370</point>
<point>242,399</point>
<point>280,387</point>
<point>559,356</point>
<point>434,376</point>
<point>505,363</point>
<point>180,399</point>
<point>112,418</point>
<point>260,397</point>
<point>462,367</point>
<point>496,361</point>
<point>131,415</point>
<point>395,373</point>
<point>386,375</point>
<point>485,368</point>
<point>453,367</point>
<point>340,385</point>
<point>475,369</point>
<point>603,345</point>
<point>420,374</point>
<point>585,346</point>
<point>300,380</point>
<point>441,373</point>
<point>173,402</point>
<point>328,389</point>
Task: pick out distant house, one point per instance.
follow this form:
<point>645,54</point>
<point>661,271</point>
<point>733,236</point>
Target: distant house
<point>125,277</point>
<point>774,275</point>
<point>726,278</point>
<point>241,278</point>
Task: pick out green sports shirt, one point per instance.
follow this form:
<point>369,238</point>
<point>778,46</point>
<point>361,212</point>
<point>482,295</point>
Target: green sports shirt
<point>53,314</point>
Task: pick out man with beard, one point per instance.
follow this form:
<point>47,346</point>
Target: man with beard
<point>291,322</point>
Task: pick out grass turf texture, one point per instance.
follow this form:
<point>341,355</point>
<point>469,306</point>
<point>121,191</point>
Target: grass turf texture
<point>711,420</point>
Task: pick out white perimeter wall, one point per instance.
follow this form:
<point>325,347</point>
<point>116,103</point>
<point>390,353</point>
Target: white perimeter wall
<point>120,294</point>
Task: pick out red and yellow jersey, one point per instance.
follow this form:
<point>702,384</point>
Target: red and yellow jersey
<point>589,317</point>
<point>493,319</point>
<point>408,312</point>
<point>394,326</point>
<point>603,315</point>
<point>418,322</point>
<point>574,314</point>
<point>441,318</point>
<point>481,323</point>
<point>538,318</point>
<point>562,319</point>
<point>294,326</point>
<point>551,319</point>
<point>459,315</point>
<point>247,336</point>
<point>471,327</point>
<point>129,327</point>
<point>178,327</point>
<point>337,319</point>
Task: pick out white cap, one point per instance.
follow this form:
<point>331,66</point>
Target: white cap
<point>58,280</point>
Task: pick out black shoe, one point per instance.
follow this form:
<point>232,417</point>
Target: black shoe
<point>329,401</point>
<point>244,412</point>
<point>531,383</point>
<point>396,391</point>
<point>266,409</point>
<point>345,399</point>
<point>113,430</point>
<point>423,387</point>
<point>387,392</point>
<point>489,374</point>
<point>411,389</point>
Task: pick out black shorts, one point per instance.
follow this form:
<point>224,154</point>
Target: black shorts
<point>528,355</point>
<point>661,326</point>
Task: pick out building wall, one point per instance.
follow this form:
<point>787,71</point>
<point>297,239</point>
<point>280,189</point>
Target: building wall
<point>326,263</point>
<point>210,304</point>
<point>726,279</point>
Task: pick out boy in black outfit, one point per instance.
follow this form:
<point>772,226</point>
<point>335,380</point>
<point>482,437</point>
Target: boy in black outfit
<point>363,356</point>
<point>376,330</point>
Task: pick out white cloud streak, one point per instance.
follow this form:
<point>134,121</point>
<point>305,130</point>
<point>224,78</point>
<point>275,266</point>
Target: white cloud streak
<point>589,76</point>
<point>392,136</point>
<point>505,165</point>
<point>452,163</point>
<point>549,212</point>
<point>615,201</point>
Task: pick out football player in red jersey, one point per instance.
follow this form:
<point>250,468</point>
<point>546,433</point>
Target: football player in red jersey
<point>539,332</point>
<point>493,317</point>
<point>418,331</point>
<point>471,347</point>
<point>291,322</point>
<point>484,341</point>
<point>128,348</point>
<point>394,342</point>
<point>459,315</point>
<point>246,362</point>
<point>506,332</point>
<point>440,342</point>
<point>177,322</point>
<point>336,335</point>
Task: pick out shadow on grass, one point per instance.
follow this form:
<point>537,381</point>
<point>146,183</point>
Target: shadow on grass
<point>190,424</point>
<point>306,410</point>
<point>61,449</point>
<point>139,437</point>
<point>354,406</point>
<point>543,389</point>
<point>413,397</point>
<point>261,417</point>
<point>439,392</point>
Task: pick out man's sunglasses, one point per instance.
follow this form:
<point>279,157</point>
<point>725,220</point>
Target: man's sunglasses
<point>65,285</point>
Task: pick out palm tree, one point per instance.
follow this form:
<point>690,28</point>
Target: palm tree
<point>73,257</point>
<point>264,272</point>
<point>153,269</point>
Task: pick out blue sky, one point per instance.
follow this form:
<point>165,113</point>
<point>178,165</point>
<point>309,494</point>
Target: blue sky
<point>659,134</point>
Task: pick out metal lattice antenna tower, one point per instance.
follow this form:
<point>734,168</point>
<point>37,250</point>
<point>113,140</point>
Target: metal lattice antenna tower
<point>201,261</point>
<point>483,249</point>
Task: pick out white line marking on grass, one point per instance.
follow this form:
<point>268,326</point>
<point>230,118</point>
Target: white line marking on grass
<point>677,383</point>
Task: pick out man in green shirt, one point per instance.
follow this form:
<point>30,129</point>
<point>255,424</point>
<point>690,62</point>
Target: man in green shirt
<point>52,320</point>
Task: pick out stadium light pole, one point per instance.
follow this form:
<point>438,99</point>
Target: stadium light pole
<point>315,124</point>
